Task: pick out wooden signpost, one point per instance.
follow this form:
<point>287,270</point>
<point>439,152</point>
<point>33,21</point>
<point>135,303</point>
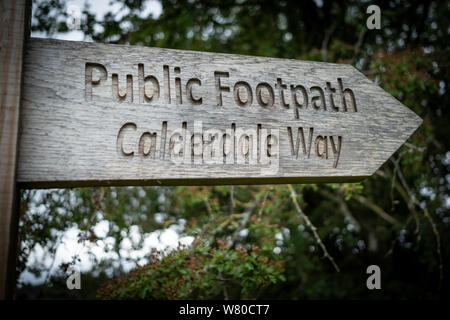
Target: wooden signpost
<point>95,114</point>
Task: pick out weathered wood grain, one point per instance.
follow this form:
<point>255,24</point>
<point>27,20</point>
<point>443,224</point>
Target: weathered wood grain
<point>75,103</point>
<point>12,31</point>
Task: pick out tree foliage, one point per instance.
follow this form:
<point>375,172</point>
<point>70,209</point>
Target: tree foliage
<point>269,241</point>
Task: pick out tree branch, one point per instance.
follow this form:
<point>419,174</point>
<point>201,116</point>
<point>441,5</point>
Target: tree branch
<point>342,206</point>
<point>378,210</point>
<point>325,41</point>
<point>413,200</point>
<point>358,44</point>
<point>305,218</point>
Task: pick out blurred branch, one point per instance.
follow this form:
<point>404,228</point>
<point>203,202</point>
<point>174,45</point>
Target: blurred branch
<point>393,182</point>
<point>358,45</point>
<point>413,147</point>
<point>58,242</point>
<point>405,193</point>
<point>208,206</point>
<point>378,210</point>
<point>342,206</point>
<point>264,202</point>
<point>305,218</point>
<point>326,40</point>
<point>438,246</point>
<point>412,200</point>
<point>245,219</point>
<point>232,202</point>
<point>224,286</point>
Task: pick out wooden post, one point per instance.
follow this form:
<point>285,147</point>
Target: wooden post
<point>14,28</point>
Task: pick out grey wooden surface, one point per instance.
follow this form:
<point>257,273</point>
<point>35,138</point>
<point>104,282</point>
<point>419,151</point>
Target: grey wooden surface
<point>72,116</point>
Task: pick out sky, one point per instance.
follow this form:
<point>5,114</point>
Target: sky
<point>100,8</point>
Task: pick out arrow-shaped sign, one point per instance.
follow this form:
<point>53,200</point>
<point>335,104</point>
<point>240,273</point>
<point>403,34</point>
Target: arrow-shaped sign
<point>95,114</point>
